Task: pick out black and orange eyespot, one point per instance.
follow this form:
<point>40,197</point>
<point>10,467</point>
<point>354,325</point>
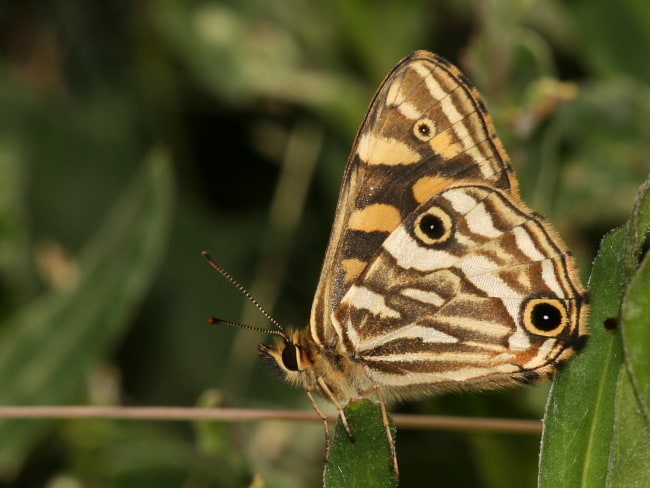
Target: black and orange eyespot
<point>433,227</point>
<point>545,316</point>
<point>424,129</point>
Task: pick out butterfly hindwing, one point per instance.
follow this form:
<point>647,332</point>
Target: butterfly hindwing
<point>451,298</point>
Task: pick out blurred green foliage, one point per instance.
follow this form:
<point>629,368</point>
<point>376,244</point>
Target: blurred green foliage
<point>256,104</point>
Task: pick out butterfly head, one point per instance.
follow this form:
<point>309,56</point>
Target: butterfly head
<point>289,356</point>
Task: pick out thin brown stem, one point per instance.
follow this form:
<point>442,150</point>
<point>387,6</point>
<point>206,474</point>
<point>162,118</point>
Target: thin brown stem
<point>421,422</point>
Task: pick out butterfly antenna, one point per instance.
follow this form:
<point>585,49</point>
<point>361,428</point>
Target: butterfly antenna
<point>243,291</point>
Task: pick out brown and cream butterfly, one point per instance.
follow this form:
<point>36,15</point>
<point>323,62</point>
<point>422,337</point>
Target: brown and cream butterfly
<point>437,276</point>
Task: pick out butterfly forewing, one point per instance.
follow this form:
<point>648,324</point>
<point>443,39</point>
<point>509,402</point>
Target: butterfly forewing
<point>426,128</point>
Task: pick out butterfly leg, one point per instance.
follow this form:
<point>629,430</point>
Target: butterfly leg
<point>386,422</point>
<point>389,434</point>
<point>330,396</point>
<point>323,417</point>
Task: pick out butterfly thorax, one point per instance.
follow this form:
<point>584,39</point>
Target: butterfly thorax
<point>328,369</point>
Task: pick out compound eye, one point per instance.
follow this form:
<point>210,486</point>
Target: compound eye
<point>433,227</point>
<point>545,316</point>
<point>290,357</point>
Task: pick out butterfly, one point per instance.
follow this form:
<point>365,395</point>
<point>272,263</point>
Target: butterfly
<point>437,276</point>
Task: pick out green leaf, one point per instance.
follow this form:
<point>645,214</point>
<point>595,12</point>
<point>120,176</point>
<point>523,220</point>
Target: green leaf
<point>636,304</point>
<point>48,346</point>
<point>638,227</point>
<point>578,426</point>
<point>366,460</point>
<point>630,450</point>
<point>636,333</point>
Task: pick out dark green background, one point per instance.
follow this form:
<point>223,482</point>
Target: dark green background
<point>234,92</point>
